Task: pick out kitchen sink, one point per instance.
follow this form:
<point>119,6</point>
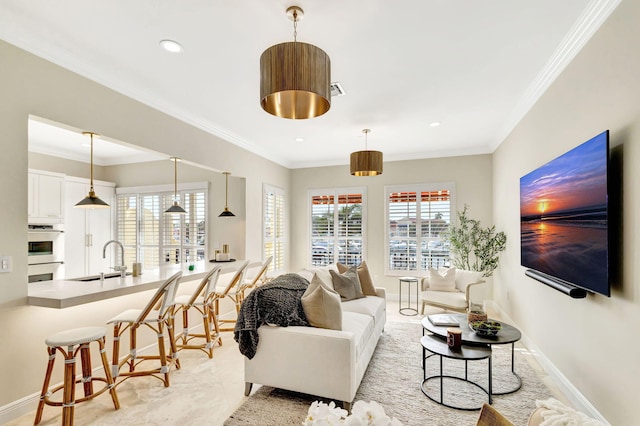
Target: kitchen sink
<point>97,277</point>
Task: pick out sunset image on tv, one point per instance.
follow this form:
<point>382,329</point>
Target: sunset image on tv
<point>563,216</point>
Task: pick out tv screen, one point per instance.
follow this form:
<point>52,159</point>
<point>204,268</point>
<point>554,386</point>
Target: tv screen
<point>563,217</point>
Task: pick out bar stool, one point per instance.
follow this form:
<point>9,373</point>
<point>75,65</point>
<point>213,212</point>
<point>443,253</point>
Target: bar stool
<point>75,340</point>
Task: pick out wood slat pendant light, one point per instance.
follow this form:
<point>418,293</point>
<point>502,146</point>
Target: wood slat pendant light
<point>295,77</point>
<point>366,163</point>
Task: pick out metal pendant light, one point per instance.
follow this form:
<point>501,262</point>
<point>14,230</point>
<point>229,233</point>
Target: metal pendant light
<point>295,78</point>
<point>226,212</point>
<point>366,163</point>
<point>175,208</point>
<point>91,201</point>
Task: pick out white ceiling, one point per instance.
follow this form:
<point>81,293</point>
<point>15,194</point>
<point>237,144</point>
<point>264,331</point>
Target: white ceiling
<point>474,66</point>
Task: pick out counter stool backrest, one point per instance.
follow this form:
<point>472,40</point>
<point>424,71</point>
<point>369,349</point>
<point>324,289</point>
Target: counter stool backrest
<point>236,281</point>
<point>163,300</point>
<point>260,274</point>
<point>207,287</point>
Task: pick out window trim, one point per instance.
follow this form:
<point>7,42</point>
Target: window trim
<point>417,187</point>
<point>281,192</point>
<point>362,190</point>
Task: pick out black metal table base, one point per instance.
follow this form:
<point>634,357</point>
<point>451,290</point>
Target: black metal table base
<point>438,350</point>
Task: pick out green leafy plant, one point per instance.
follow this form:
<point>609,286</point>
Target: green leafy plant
<point>474,248</point>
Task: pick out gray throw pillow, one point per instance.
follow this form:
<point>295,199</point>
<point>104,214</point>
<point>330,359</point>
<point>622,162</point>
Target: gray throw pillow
<point>347,284</point>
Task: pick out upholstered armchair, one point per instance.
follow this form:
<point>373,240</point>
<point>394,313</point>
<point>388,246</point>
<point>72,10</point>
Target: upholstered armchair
<point>449,288</point>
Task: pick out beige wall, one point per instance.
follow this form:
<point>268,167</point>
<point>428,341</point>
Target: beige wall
<point>471,175</point>
<point>591,341</point>
<point>30,85</point>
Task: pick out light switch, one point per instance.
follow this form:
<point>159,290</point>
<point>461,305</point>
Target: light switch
<point>5,264</point>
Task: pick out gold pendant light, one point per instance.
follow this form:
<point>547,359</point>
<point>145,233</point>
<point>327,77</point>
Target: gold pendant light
<point>366,163</point>
<point>226,212</point>
<point>295,78</point>
<point>91,201</point>
<point>175,208</point>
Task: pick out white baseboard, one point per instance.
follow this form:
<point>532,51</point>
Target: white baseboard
<point>19,408</point>
<point>573,394</point>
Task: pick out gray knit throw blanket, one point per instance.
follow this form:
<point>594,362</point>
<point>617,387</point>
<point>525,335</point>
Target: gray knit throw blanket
<point>275,303</point>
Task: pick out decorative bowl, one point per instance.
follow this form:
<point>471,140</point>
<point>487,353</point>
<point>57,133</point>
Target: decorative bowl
<point>486,328</point>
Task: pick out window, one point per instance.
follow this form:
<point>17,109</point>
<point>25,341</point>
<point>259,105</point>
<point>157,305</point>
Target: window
<point>154,238</point>
<point>337,230</point>
<point>417,217</point>
<point>273,226</point>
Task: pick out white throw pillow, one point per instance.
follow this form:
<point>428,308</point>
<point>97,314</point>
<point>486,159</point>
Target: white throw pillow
<point>321,305</point>
<point>442,281</point>
<point>322,273</point>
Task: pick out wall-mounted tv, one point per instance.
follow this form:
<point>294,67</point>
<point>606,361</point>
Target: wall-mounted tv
<point>564,219</point>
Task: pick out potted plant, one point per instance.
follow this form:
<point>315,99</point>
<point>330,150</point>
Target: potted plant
<point>475,248</point>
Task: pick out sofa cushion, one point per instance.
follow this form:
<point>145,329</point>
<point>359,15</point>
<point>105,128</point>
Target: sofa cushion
<point>366,282</point>
<point>442,280</point>
<point>322,273</point>
<point>360,325</point>
<point>370,305</point>
<point>347,284</point>
<point>321,305</point>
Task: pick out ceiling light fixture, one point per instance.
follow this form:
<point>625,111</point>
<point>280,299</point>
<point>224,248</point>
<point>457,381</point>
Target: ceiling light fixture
<point>226,212</point>
<point>175,208</point>
<point>366,163</point>
<point>91,201</point>
<point>171,46</point>
<point>434,124</point>
<point>295,77</point>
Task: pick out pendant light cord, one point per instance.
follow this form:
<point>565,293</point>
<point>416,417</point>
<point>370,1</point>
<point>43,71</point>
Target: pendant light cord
<point>175,180</point>
<point>295,26</point>
<point>91,173</point>
<point>226,190</point>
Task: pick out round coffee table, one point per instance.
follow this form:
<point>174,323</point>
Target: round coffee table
<point>507,335</point>
<point>439,347</point>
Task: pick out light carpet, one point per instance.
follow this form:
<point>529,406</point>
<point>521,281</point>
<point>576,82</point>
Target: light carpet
<point>393,379</point>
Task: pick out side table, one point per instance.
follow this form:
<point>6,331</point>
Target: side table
<point>439,347</point>
<point>409,281</point>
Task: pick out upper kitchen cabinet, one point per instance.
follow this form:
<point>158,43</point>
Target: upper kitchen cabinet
<point>87,230</point>
<point>46,197</point>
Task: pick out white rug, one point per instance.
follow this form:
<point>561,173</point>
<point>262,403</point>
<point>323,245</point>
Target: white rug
<point>393,379</point>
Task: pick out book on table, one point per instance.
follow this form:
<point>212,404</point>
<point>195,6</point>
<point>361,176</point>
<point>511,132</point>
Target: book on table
<point>444,320</point>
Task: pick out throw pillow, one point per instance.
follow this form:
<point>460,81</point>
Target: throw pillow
<point>368,289</point>
<point>442,281</point>
<point>321,305</point>
<point>347,284</point>
<point>323,274</point>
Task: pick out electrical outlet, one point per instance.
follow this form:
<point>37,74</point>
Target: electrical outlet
<point>5,264</point>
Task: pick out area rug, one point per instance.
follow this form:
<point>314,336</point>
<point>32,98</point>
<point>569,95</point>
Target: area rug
<point>394,379</point>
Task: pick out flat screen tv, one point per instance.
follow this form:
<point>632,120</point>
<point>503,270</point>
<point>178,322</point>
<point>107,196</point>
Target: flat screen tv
<point>564,218</point>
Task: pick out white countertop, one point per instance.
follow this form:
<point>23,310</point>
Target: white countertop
<point>66,293</point>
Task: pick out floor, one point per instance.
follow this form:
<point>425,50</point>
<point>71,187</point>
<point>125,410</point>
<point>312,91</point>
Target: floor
<point>203,390</point>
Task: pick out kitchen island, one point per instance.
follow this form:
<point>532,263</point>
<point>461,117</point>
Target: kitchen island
<point>71,292</point>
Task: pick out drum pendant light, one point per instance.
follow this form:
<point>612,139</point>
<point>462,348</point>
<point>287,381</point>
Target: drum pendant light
<point>226,212</point>
<point>175,208</point>
<point>366,163</point>
<point>295,77</point>
<point>91,201</point>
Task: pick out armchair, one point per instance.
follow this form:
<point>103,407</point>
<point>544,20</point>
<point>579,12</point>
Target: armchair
<point>455,296</point>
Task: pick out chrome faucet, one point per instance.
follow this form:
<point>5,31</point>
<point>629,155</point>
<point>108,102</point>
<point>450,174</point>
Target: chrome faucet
<point>122,268</point>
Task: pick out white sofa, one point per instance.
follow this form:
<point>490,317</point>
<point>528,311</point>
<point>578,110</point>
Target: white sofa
<point>317,361</point>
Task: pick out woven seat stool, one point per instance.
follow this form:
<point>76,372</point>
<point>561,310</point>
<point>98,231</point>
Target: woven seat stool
<point>69,343</point>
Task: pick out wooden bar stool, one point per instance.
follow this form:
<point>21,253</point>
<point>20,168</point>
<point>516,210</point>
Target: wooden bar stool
<point>75,340</point>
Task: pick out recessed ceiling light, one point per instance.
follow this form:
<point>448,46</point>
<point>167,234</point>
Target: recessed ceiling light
<point>171,46</point>
<point>434,124</point>
<point>299,140</point>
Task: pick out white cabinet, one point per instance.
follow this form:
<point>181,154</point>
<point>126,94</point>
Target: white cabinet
<point>46,197</point>
<point>87,230</point>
